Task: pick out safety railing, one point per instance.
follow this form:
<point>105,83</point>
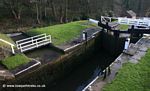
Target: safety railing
<point>33,42</point>
<point>12,45</point>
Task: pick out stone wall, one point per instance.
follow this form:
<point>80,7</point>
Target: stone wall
<point>64,64</point>
<point>61,66</point>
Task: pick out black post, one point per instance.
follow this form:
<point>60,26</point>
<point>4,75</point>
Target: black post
<point>131,32</point>
<point>107,26</point>
<point>141,34</point>
<point>109,70</point>
<point>116,42</point>
<point>100,19</point>
<point>116,34</point>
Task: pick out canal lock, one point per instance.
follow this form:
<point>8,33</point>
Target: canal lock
<point>73,70</point>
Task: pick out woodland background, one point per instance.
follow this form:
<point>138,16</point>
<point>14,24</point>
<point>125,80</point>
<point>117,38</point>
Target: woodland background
<point>16,14</point>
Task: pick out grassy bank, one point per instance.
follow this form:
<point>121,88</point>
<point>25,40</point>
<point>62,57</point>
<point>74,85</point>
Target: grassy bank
<point>5,37</point>
<point>15,61</point>
<point>62,33</point>
<point>132,77</point>
<point>123,27</point>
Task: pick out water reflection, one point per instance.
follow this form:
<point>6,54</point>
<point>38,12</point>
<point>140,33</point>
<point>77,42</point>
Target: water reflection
<point>96,73</point>
<point>83,75</point>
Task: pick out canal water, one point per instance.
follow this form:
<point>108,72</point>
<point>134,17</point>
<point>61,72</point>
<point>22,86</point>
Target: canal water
<point>83,74</point>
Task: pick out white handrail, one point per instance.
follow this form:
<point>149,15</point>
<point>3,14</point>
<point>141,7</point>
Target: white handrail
<point>38,63</point>
<point>33,42</point>
<point>12,45</point>
<point>31,38</point>
<point>7,42</point>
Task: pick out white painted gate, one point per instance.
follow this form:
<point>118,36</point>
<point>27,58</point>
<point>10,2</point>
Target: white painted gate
<point>33,42</point>
<point>135,22</point>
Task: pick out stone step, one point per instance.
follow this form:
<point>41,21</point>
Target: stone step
<point>6,75</point>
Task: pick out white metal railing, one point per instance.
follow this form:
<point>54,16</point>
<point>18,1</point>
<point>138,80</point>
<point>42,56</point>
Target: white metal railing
<point>33,42</point>
<point>37,63</point>
<point>12,45</point>
<point>93,21</point>
<point>143,22</point>
<point>135,22</point>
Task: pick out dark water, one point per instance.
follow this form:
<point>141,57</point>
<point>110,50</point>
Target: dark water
<point>82,75</point>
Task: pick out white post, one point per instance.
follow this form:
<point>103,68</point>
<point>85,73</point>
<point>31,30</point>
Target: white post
<point>32,40</point>
<point>83,36</point>
<point>110,19</point>
<point>36,43</point>
<point>12,48</point>
<point>127,42</point>
<point>21,49</point>
<point>101,18</point>
<point>17,45</point>
<point>50,38</point>
<point>45,37</point>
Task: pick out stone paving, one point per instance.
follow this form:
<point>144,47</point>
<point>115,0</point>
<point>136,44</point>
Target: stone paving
<point>134,53</point>
<point>5,75</point>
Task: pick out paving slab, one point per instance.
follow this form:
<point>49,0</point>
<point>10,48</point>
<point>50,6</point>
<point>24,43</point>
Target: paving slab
<point>132,60</point>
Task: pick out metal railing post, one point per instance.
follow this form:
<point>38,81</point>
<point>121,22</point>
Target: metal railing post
<point>36,43</point>
<point>50,39</point>
<point>12,48</point>
<point>21,48</point>
<point>12,45</point>
<point>32,40</point>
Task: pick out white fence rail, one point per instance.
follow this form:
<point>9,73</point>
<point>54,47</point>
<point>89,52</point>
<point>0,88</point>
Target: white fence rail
<point>33,42</point>
<point>135,22</point>
<point>142,22</point>
<point>93,21</point>
<point>12,45</point>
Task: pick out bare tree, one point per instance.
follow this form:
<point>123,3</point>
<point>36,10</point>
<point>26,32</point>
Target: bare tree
<point>66,11</point>
<point>15,6</point>
<point>37,6</point>
<point>53,7</point>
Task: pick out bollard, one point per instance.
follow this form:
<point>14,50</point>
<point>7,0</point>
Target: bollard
<point>84,35</point>
<point>127,42</point>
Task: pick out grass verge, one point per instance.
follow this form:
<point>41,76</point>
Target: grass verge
<point>15,61</point>
<point>5,37</point>
<point>62,33</point>
<point>132,77</point>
